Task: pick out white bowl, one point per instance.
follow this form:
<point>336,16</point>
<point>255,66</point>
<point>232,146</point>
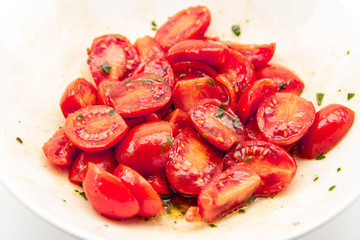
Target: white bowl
<point>43,48</point>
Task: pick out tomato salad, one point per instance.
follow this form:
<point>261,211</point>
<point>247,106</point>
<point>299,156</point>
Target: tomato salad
<point>181,114</point>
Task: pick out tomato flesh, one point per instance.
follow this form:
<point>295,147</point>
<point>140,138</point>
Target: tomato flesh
<point>159,182</point>
<point>192,69</point>
<point>148,48</point>
<point>178,120</point>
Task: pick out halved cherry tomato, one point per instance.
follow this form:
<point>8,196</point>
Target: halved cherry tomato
<point>192,163</point>
<point>108,195</point>
<point>78,94</point>
<point>192,69</point>
<point>284,79</point>
<point>331,124</point>
<point>112,57</point>
<point>149,201</point>
<point>217,124</point>
<point>159,182</point>
<point>59,150</point>
<point>258,54</point>
<point>275,166</point>
<point>226,192</point>
<point>249,100</point>
<point>253,131</point>
<point>104,89</point>
<point>178,120</point>
<point>186,24</point>
<point>145,147</point>
<point>104,159</point>
<point>95,128</point>
<point>283,118</point>
<point>148,48</point>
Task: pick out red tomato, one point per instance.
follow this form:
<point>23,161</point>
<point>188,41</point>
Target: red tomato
<point>140,95</point>
<point>104,159</point>
<point>149,201</point>
<point>249,100</point>
<point>186,24</point>
<point>78,94</point>
<point>108,195</point>
<point>226,192</point>
<point>159,182</point>
<point>104,89</point>
<point>112,57</point>
<point>193,215</point>
<point>259,55</point>
<point>283,118</point>
<point>217,124</point>
<point>253,131</point>
<point>148,48</point>
<point>95,128</point>
<point>192,69</point>
<point>59,150</point>
<point>331,124</point>
<point>275,166</point>
<point>285,80</point>
<point>178,120</point>
<point>145,147</point>
<point>192,163</point>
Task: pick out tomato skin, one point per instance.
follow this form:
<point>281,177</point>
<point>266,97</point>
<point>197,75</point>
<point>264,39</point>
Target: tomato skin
<point>104,159</point>
<point>59,150</point>
<point>95,128</point>
<point>275,166</point>
<point>217,124</point>
<point>118,52</point>
<point>331,124</point>
<point>226,192</point>
<point>192,69</point>
<point>149,201</point>
<point>186,24</point>
<point>108,195</point>
<point>192,163</point>
<point>78,94</point>
<point>148,48</point>
<point>104,89</point>
<point>178,120</point>
<point>159,182</point>
<point>145,147</point>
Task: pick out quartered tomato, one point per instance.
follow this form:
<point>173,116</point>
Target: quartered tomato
<point>145,147</point>
<point>178,120</point>
<point>192,69</point>
<point>331,124</point>
<point>108,195</point>
<point>149,201</point>
<point>217,124</point>
<point>59,150</point>
<point>186,24</point>
<point>95,128</point>
<point>148,48</point>
<point>285,79</point>
<point>159,182</point>
<point>104,159</point>
<point>192,163</point>
<point>283,118</point>
<point>78,94</point>
<point>112,57</point>
<point>226,192</point>
<point>275,166</point>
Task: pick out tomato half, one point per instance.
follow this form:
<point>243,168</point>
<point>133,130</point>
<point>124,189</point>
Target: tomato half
<point>148,48</point>
<point>275,166</point>
<point>186,24</point>
<point>192,69</point>
<point>178,120</point>
<point>283,118</point>
<point>108,195</point>
<point>159,182</point>
<point>331,124</point>
<point>95,128</point>
<point>104,89</point>
<point>217,124</point>
<point>112,57</point>
<point>192,163</point>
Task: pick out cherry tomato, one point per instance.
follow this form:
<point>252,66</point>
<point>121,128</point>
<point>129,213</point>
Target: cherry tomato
<point>193,215</point>
<point>148,48</point>
<point>217,124</point>
<point>192,163</point>
<point>186,24</point>
<point>249,100</point>
<point>275,166</point>
<point>145,147</point>
<point>283,118</point>
<point>285,79</point>
<point>253,131</point>
<point>112,57</point>
<point>59,150</point>
<point>95,128</point>
<point>108,195</point>
<point>226,192</point>
<point>104,159</point>
<point>104,89</point>
<point>192,69</point>
<point>178,120</point>
<point>331,124</point>
<point>149,201</point>
<point>78,94</point>
<point>159,182</point>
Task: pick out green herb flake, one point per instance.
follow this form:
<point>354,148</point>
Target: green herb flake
<point>111,113</point>
<point>315,179</point>
<point>237,123</point>
<point>105,68</point>
<point>146,219</point>
<point>211,82</point>
<point>182,75</point>
<point>319,98</point>
<point>245,88</point>
<point>80,117</point>
<point>83,195</point>
<point>64,200</point>
<point>164,68</point>
<point>205,135</point>
<point>79,87</point>
<point>339,169</point>
<point>248,159</point>
<point>146,82</point>
<point>241,211</point>
<point>19,140</point>
<point>88,60</point>
<point>219,114</point>
<point>321,157</point>
<point>87,50</point>
<point>153,23</point>
<point>350,95</point>
<point>199,85</point>
<point>132,153</point>
<point>84,166</point>
<point>348,52</point>
<point>170,140</point>
<point>332,187</point>
<point>236,29</point>
<point>76,190</point>
<point>163,148</point>
<point>212,225</point>
<point>118,38</point>
<point>222,106</point>
<point>106,225</point>
<point>282,86</point>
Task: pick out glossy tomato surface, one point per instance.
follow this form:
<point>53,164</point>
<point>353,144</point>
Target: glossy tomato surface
<point>192,69</point>
<point>148,48</point>
<point>104,89</point>
<point>178,120</point>
<point>159,182</point>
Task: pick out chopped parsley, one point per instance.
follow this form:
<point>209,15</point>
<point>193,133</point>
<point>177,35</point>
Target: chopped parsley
<point>205,135</point>
<point>110,86</point>
<point>332,187</point>
<point>248,159</point>
<point>339,169</point>
<point>64,200</point>
<point>212,225</point>
<point>319,98</point>
<point>118,38</point>
<point>83,195</point>
<point>222,106</point>
<point>164,68</point>
<point>182,75</point>
<point>315,179</point>
<point>236,123</point>
<point>170,140</point>
<point>219,114</point>
<point>350,95</point>
<point>163,148</point>
<point>80,117</point>
<point>211,82</point>
<point>154,25</point>
<point>282,86</point>
<point>245,88</point>
<point>105,67</point>
<point>89,60</point>
<point>111,113</point>
<point>236,29</point>
<point>348,52</point>
<point>321,157</point>
<point>19,140</point>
